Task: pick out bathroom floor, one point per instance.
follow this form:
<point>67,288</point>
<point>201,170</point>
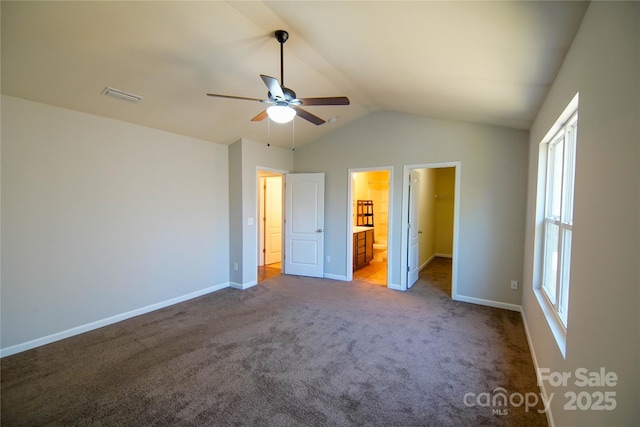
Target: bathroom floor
<point>375,272</point>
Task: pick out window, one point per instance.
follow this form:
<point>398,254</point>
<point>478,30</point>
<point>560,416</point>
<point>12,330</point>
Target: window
<point>554,222</point>
<point>560,153</point>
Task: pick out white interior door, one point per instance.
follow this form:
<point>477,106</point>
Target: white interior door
<point>413,240</point>
<point>304,224</point>
<point>273,222</point>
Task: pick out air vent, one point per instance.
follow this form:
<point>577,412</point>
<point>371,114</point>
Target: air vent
<point>117,93</point>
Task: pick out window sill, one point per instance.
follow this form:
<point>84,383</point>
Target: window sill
<point>558,331</point>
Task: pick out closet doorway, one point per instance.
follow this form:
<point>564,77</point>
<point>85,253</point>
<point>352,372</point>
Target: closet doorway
<point>270,224</point>
<point>370,200</point>
<point>430,221</point>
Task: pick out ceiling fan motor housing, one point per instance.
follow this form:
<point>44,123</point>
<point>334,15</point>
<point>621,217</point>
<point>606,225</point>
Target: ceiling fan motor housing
<point>281,35</point>
<point>289,95</point>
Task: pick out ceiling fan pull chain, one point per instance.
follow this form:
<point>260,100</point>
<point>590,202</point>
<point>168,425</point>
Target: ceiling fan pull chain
<point>268,133</point>
<point>293,137</point>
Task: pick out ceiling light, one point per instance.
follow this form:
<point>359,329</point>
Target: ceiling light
<point>281,113</point>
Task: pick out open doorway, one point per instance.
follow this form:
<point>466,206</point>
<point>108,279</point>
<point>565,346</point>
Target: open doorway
<point>370,195</point>
<point>430,213</point>
<point>270,223</point>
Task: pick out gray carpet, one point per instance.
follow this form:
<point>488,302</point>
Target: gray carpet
<point>291,351</point>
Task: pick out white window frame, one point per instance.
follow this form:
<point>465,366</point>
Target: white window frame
<point>555,283</point>
<point>556,211</point>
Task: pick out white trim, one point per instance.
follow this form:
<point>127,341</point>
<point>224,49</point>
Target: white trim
<point>431,258</point>
<point>543,391</point>
<point>243,286</point>
<point>335,277</point>
<point>395,287</point>
<point>443,255</point>
<point>555,324</point>
<point>566,114</point>
<point>424,264</point>
<point>18,348</point>
<point>550,310</point>
<point>256,261</point>
<point>488,303</point>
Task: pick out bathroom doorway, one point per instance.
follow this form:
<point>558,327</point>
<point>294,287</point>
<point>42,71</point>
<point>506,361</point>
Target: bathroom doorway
<point>370,201</point>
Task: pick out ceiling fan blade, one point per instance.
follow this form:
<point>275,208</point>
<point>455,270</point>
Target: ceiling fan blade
<point>330,100</point>
<point>260,116</point>
<point>307,115</point>
<point>235,97</point>
<point>274,86</point>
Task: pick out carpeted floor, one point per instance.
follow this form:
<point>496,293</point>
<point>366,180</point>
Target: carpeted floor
<point>292,351</point>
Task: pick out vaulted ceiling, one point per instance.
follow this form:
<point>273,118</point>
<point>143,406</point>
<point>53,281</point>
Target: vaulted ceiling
<point>483,62</point>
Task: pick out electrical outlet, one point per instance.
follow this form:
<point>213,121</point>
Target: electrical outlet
<point>235,266</point>
<point>514,284</point>
<point>328,259</point>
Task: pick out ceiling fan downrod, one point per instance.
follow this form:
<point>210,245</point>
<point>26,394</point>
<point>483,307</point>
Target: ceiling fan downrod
<point>282,36</point>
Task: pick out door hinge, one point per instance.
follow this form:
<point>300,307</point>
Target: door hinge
<point>408,268</point>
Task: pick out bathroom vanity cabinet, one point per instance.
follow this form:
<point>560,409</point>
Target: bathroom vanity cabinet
<point>362,246</point>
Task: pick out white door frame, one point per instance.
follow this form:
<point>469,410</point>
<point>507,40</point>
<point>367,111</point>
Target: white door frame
<point>456,221</point>
<point>349,243</point>
<point>413,239</point>
<point>261,172</point>
<point>272,209</point>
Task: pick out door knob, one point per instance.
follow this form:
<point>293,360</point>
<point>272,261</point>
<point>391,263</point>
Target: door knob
<point>319,230</point>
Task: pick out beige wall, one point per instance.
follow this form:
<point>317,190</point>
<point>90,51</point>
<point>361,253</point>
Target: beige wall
<point>444,204</point>
<point>102,220</point>
<point>246,158</point>
<point>359,188</point>
<point>493,184</point>
<point>603,65</point>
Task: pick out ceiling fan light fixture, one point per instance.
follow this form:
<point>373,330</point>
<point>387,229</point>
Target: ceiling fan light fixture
<point>281,113</point>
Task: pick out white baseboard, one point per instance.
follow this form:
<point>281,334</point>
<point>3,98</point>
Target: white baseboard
<point>424,264</point>
<point>432,257</point>
<point>18,348</point>
<point>444,255</point>
<point>335,277</point>
<point>395,287</point>
<point>242,286</point>
<point>543,391</point>
<point>488,303</point>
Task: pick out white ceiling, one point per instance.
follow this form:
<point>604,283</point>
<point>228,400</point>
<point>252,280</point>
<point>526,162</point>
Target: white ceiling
<point>485,62</point>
